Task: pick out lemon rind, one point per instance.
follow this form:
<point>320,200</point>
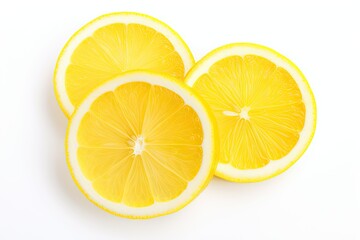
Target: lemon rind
<point>203,65</point>
<point>213,154</point>
<point>59,82</point>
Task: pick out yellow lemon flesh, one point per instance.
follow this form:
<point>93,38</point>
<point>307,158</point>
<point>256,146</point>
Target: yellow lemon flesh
<point>141,145</point>
<point>264,108</point>
<point>113,44</point>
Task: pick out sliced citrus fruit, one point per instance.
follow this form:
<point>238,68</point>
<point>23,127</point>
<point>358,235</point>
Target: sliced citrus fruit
<point>142,145</point>
<point>264,108</point>
<point>112,44</point>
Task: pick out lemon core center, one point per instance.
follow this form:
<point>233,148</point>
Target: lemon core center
<point>139,145</point>
<point>244,113</point>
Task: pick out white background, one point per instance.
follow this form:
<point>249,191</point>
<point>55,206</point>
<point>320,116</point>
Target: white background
<point>317,198</point>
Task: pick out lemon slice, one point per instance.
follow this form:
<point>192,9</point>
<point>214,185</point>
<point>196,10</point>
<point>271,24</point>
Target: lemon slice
<point>112,44</point>
<point>141,145</point>
<point>264,108</point>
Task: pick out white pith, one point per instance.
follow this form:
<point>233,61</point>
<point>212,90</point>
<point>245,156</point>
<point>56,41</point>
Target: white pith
<point>89,29</point>
<point>157,208</point>
<point>274,166</point>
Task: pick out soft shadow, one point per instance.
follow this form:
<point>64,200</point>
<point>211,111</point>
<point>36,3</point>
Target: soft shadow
<point>61,178</point>
<point>237,189</point>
